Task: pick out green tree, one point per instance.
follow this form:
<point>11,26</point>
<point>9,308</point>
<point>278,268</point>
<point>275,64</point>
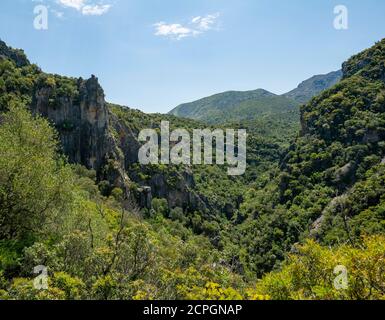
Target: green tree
<point>35,184</point>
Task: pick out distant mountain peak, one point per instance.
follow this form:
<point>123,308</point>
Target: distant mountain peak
<point>250,105</point>
<point>314,86</point>
<point>232,105</point>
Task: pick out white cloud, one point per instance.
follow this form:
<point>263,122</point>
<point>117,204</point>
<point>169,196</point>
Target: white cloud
<point>176,31</point>
<point>95,10</point>
<point>205,23</point>
<point>76,4</point>
<point>86,8</point>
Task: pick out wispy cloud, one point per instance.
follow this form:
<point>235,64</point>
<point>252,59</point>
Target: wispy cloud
<point>205,23</point>
<point>95,10</point>
<point>195,27</point>
<point>76,4</point>
<point>86,7</point>
<point>174,31</point>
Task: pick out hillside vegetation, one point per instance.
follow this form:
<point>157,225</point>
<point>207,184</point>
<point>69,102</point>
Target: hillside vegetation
<point>235,106</point>
<point>312,198</point>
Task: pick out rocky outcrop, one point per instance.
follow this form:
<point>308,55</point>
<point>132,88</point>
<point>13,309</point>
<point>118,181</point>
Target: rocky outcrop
<point>181,193</point>
<point>126,140</point>
<point>93,136</point>
<point>82,124</point>
<point>17,55</point>
<point>335,207</point>
<point>345,173</point>
<point>368,63</point>
<point>144,196</point>
<point>371,136</point>
<point>81,119</point>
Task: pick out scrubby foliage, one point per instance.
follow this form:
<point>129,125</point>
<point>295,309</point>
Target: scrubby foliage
<point>318,273</point>
<point>307,203</point>
<point>52,214</point>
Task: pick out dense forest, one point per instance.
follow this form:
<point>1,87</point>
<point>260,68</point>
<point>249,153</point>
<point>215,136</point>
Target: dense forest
<point>74,198</point>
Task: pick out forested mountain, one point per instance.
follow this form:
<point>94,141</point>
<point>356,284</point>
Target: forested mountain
<point>340,153</point>
<point>255,105</point>
<point>73,197</point>
<point>330,186</point>
<point>235,106</point>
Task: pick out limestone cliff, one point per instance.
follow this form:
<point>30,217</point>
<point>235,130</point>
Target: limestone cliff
<point>82,124</point>
<point>93,136</point>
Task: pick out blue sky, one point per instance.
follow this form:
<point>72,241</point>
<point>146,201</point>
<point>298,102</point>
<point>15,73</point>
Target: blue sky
<point>156,54</point>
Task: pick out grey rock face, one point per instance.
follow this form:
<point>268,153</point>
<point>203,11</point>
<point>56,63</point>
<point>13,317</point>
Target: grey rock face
<point>345,173</point>
<point>92,136</point>
<point>126,141</point>
<point>178,194</point>
<point>371,136</point>
<point>82,124</point>
<point>145,197</point>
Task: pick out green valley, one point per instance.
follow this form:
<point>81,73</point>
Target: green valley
<point>74,198</point>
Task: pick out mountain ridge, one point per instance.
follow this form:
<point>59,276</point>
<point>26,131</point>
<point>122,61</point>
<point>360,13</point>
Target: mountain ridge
<point>252,104</point>
<point>313,86</point>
